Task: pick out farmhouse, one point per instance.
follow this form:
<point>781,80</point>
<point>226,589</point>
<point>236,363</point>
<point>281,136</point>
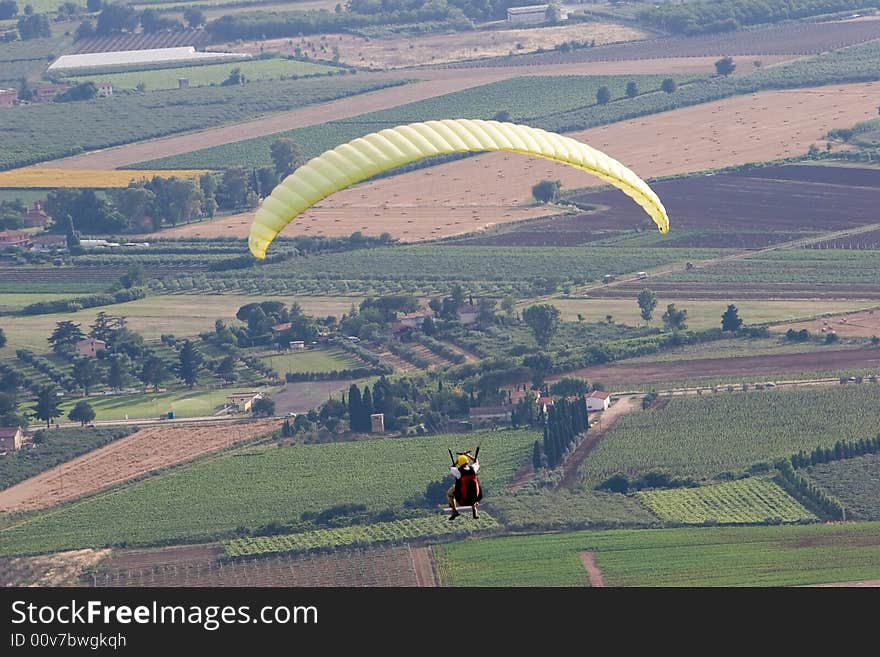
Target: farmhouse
<point>44,93</point>
<point>46,243</point>
<point>467,314</point>
<point>13,238</point>
<point>598,401</point>
<point>280,328</point>
<point>242,401</point>
<point>531,14</point>
<point>10,438</point>
<point>297,345</point>
<point>8,97</point>
<point>490,414</point>
<point>35,217</point>
<point>544,403</point>
<point>90,347</point>
<point>105,89</point>
<point>416,319</point>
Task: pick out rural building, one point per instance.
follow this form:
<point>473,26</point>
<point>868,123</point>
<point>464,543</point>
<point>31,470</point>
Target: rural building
<point>377,422</point>
<point>531,14</point>
<point>280,328</point>
<point>105,89</point>
<point>242,401</point>
<point>297,345</point>
<point>8,97</point>
<point>45,93</point>
<point>544,403</point>
<point>183,83</point>
<point>90,347</point>
<point>490,414</point>
<point>13,238</point>
<point>121,60</point>
<point>414,320</point>
<point>467,314</point>
<point>10,438</point>
<point>35,217</point>
<point>46,243</point>
<point>598,401</point>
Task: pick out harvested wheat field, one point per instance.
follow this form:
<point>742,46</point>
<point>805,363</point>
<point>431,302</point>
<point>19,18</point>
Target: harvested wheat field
<point>861,325</point>
<point>147,450</point>
<point>41,178</point>
<point>400,52</point>
<point>478,192</point>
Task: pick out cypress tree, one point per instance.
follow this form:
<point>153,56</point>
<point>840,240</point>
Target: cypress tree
<point>354,408</point>
<point>536,456</point>
<point>366,408</point>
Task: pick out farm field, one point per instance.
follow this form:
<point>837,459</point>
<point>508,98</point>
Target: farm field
<point>36,133</point>
<point>765,126</point>
<point>254,488</point>
<point>61,569</point>
<point>786,555</point>
<point>705,371</point>
<point>392,566</point>
<point>154,316</point>
<point>758,289</point>
<point>11,302</point>
<point>42,178</point>
<point>561,509</point>
<point>145,451</point>
<point>744,501</point>
<point>855,482</point>
<point>313,360</point>
<point>696,436</point>
<point>141,41</point>
<point>866,324</point>
<point>706,313</point>
<point>434,49</point>
<point>791,39</point>
<point>200,76</point>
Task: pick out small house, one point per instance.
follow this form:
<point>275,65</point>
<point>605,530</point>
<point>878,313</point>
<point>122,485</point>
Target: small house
<point>44,93</point>
<point>9,238</point>
<point>35,217</point>
<point>490,414</point>
<point>105,89</point>
<point>8,97</point>
<point>467,314</point>
<point>530,15</point>
<point>414,320</point>
<point>10,439</point>
<point>46,243</point>
<point>598,400</point>
<point>242,401</point>
<point>280,328</point>
<point>297,345</point>
<point>544,403</point>
<point>90,347</point>
<point>377,423</point>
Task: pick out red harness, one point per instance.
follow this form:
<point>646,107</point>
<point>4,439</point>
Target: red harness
<point>462,491</point>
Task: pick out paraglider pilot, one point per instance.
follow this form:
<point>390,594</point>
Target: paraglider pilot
<point>466,490</point>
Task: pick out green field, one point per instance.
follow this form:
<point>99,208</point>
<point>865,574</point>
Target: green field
<point>10,303</point>
<point>704,313</point>
<point>751,500</point>
<point>379,532</point>
<point>855,482</point>
<point>210,74</point>
<point>180,315</point>
<point>785,555</point>
<point>55,446</point>
<point>547,96</point>
<point>35,133</point>
<point>312,360</point>
<point>253,488</point>
<point>708,435</point>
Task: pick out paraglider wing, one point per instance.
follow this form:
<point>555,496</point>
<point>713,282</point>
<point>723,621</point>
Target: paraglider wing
<point>381,151</point>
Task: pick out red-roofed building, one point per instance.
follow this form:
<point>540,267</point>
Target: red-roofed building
<point>416,319</point>
<point>10,438</point>
<point>13,238</point>
<point>35,217</point>
<point>598,400</point>
<point>8,97</point>
<point>44,93</point>
<point>280,328</point>
<point>544,403</point>
<point>104,89</point>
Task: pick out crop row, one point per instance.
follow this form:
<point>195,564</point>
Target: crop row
<point>750,500</point>
<point>380,532</point>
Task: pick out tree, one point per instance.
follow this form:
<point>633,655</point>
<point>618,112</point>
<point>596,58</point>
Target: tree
<point>553,15</point>
<point>233,190</point>
<point>632,89</point>
<point>153,371</point>
<point>34,26</point>
<point>103,327</point>
<point>236,78</point>
<point>543,320</point>
<point>116,18</point>
<point>286,156</point>
<point>266,179</point>
<point>354,408</point>
<point>94,5</point>
<point>84,30</point>
<point>2,339</point>
<point>569,387</point>
<point>226,369</point>
<point>118,373</point>
<point>668,85</point>
<point>428,327</point>
<point>86,373</point>
<point>673,319</point>
<point>263,406</point>
<point>193,17</point>
<point>546,191</point>
<point>725,66</point>
<point>190,363</point>
<point>8,9</point>
<point>603,95</point>
<point>503,116</point>
<point>730,320</point>
<point>46,408</point>
<point>647,302</point>
<point>134,276</point>
<point>65,336</point>
<point>82,412</point>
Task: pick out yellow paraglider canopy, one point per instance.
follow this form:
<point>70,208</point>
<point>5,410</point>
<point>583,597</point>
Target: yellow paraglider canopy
<point>381,151</point>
